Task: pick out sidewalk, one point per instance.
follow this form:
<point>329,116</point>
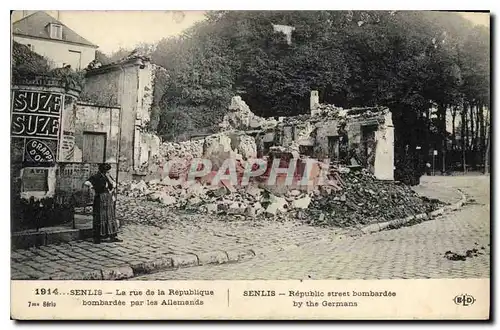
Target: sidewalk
<point>188,241</point>
<point>438,187</point>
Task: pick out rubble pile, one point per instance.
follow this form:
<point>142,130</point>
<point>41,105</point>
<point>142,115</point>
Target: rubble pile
<point>240,117</point>
<point>249,201</point>
<point>329,110</point>
<point>190,149</point>
<point>247,147</point>
<point>357,198</point>
<point>364,200</point>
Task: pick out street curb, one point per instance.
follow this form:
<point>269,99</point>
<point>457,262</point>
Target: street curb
<point>36,239</point>
<point>376,227</point>
<point>172,262</point>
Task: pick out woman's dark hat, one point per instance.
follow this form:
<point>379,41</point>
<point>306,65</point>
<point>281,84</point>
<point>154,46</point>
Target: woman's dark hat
<point>104,167</point>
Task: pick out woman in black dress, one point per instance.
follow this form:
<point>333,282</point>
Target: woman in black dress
<point>104,223</point>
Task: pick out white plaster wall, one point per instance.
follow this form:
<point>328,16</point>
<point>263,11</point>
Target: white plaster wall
<point>93,118</point>
<point>145,93</point>
<point>149,145</point>
<point>314,102</point>
<point>384,152</point>
<point>58,51</point>
<point>285,29</point>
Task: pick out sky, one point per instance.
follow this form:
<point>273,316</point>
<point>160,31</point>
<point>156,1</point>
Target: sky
<point>112,30</point>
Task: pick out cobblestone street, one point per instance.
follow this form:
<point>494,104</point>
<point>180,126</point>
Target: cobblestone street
<point>147,243</point>
<point>409,252</point>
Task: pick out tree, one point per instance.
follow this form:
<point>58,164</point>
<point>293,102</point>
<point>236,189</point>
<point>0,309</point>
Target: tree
<point>407,61</point>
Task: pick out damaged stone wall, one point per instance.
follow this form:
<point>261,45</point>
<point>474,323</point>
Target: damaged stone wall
<point>102,89</point>
<point>147,144</point>
<point>148,147</point>
<point>92,118</point>
<point>160,85</point>
<point>129,83</point>
<point>219,147</point>
<point>216,148</point>
<point>240,117</point>
<point>145,93</point>
<point>324,130</point>
<point>120,84</point>
<point>319,133</point>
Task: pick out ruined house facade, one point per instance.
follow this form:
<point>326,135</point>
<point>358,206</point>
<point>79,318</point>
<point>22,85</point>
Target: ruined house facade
<point>60,134</point>
<point>353,137</point>
<point>127,84</point>
<point>57,143</point>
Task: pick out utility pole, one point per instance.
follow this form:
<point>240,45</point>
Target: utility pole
<point>434,154</point>
<point>487,153</point>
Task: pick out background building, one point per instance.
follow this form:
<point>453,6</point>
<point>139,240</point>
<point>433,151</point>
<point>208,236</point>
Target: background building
<point>49,37</point>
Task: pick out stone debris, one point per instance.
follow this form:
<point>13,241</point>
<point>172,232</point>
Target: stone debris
<point>175,158</point>
<point>348,197</point>
<point>358,199</point>
<point>247,147</point>
<point>240,117</point>
<point>462,257</point>
<point>364,199</point>
<point>186,149</point>
<point>302,203</point>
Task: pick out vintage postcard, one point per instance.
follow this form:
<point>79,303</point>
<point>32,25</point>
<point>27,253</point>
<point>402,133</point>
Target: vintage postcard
<point>281,165</point>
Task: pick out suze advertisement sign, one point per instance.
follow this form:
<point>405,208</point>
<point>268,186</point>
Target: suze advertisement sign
<point>36,117</point>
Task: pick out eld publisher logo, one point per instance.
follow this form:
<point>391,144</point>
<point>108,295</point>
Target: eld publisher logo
<point>464,300</point>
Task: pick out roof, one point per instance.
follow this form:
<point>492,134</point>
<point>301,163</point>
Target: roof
<point>331,112</point>
<point>35,25</point>
<point>136,57</point>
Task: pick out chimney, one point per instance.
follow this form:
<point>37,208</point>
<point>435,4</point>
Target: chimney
<point>314,102</point>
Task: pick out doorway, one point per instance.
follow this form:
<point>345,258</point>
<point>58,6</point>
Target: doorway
<point>94,147</point>
<point>369,144</point>
<point>333,148</point>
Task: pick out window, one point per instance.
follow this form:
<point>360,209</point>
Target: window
<point>75,59</point>
<point>306,150</point>
<point>55,31</point>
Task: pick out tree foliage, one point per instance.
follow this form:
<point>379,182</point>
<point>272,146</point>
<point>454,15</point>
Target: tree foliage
<point>28,64</point>
<point>406,60</point>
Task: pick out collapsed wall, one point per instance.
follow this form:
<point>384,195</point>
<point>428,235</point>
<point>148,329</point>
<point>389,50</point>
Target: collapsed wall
<point>358,136</point>
<point>240,117</point>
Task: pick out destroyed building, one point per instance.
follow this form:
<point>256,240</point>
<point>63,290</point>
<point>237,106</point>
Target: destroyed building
<point>353,137</point>
<point>60,132</point>
<point>129,84</point>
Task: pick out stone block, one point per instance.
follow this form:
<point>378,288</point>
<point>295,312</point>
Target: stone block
<point>302,203</point>
<point>184,260</point>
<point>89,275</point>
<point>213,257</point>
<point>151,266</point>
<point>239,255</point>
<point>118,273</point>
